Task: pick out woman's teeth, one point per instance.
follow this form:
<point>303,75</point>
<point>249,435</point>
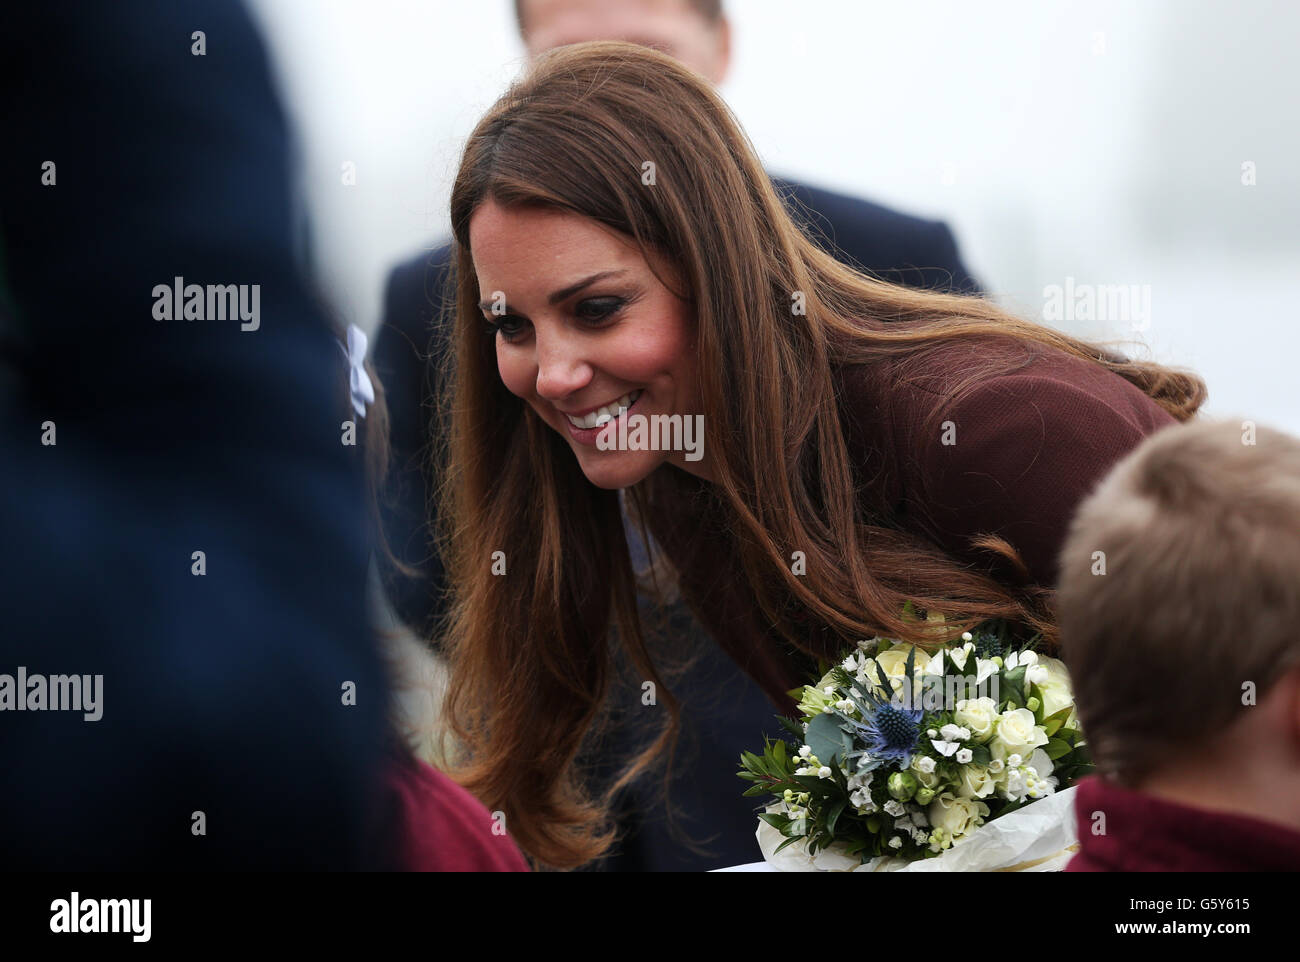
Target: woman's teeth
<point>594,419</point>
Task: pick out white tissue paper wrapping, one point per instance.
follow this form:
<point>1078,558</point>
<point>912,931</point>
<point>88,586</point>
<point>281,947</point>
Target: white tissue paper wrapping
<point>1040,837</point>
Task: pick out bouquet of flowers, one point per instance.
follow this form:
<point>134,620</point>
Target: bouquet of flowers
<point>904,755</point>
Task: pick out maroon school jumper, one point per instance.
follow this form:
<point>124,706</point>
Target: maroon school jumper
<point>1030,445</point>
<point>1148,834</point>
<point>436,825</point>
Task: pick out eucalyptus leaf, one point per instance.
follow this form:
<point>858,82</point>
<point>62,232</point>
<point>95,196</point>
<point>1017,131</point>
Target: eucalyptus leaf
<point>824,738</point>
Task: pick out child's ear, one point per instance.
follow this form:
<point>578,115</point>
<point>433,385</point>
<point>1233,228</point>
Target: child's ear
<point>1292,681</point>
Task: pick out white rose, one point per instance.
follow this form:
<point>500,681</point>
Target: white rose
<point>923,767</point>
<point>956,816</point>
<point>1056,690</point>
<point>893,665</point>
<point>1017,733</point>
<point>977,715</point>
<point>894,662</point>
<point>976,782</point>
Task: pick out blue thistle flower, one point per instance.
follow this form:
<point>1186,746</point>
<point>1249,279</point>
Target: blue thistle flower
<point>890,732</point>
<point>889,728</point>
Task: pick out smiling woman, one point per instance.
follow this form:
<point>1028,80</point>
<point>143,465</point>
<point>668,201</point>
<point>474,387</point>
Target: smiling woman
<point>904,445</point>
<point>585,332</point>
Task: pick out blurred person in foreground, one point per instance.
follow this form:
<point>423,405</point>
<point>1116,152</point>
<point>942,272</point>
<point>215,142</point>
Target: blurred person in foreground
<point>1178,603</point>
<point>184,532</point>
<point>411,340</point>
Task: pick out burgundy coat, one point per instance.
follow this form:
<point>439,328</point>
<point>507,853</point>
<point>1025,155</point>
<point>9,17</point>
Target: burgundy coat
<point>1143,833</point>
<point>434,825</point>
<point>1030,445</point>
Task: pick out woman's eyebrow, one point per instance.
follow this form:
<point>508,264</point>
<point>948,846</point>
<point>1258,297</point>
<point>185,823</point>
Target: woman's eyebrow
<point>565,292</point>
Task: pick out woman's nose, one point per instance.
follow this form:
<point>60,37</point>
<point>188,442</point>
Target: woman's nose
<point>561,368</point>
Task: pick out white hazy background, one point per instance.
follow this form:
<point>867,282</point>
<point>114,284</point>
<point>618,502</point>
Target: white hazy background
<point>1099,140</point>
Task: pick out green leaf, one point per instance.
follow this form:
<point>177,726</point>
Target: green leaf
<point>824,738</point>
<point>1056,748</point>
<point>1062,715</point>
<point>833,814</point>
<point>1013,685</point>
<point>792,726</point>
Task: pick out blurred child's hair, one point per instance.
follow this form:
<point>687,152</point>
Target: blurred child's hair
<point>1179,591</point>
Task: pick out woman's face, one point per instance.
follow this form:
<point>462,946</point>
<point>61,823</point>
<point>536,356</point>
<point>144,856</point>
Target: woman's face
<point>582,324</point>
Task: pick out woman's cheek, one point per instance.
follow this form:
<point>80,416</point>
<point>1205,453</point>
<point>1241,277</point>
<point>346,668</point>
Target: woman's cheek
<point>514,370</point>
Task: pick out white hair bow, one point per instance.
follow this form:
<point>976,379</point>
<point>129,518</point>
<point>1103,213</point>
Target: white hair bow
<point>363,391</point>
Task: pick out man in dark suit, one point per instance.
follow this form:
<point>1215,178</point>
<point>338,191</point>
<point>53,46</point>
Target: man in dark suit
<point>892,245</point>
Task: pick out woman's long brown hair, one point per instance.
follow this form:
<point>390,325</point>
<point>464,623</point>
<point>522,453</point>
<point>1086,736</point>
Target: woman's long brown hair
<point>530,652</point>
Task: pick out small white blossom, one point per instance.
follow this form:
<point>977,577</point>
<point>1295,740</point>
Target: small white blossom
<point>1015,788</point>
<point>924,764</point>
<point>863,802</point>
<point>1014,761</point>
<point>1028,658</point>
<point>895,842</point>
<point>894,807</point>
<point>967,636</point>
<point>932,733</point>
<point>823,772</point>
<point>996,766</point>
<point>945,749</point>
<point>860,780</point>
<point>1037,674</point>
<point>804,751</point>
<point>953,733</point>
<point>964,755</point>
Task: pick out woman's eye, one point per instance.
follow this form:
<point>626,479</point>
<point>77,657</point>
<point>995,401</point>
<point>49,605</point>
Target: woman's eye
<point>508,327</point>
<point>599,308</point>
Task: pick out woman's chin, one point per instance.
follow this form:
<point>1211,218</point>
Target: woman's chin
<point>617,469</point>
